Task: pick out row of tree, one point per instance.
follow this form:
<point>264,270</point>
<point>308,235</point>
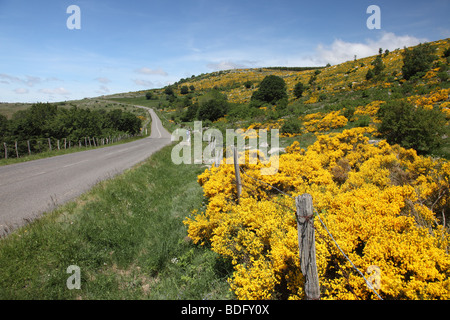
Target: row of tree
<point>44,120</point>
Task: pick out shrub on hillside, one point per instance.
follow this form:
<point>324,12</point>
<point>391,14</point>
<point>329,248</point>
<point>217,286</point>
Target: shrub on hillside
<point>417,60</point>
<point>411,127</point>
<point>291,126</point>
<point>213,106</point>
<point>271,90</point>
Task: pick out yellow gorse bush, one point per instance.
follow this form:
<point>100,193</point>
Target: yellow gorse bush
<point>383,204</point>
<point>323,122</point>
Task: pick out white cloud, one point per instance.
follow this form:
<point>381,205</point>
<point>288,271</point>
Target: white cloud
<point>103,89</point>
<point>144,83</point>
<point>103,80</point>
<point>21,90</point>
<point>6,78</point>
<point>148,71</point>
<point>227,65</point>
<point>59,91</point>
<point>341,51</point>
<point>28,80</point>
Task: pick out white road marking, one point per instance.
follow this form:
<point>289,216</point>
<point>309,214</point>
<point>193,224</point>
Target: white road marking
<point>38,174</point>
<point>73,164</point>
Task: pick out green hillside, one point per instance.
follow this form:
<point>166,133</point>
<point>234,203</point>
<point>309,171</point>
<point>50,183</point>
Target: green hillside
<point>354,90</point>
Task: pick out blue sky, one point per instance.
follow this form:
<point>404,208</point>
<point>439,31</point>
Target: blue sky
<point>141,44</point>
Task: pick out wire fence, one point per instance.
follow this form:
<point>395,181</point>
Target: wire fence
<point>20,148</point>
<point>254,187</point>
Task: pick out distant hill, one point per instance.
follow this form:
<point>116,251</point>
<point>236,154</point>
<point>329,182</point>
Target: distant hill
<point>353,91</point>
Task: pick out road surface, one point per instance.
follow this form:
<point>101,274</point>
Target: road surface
<point>30,188</point>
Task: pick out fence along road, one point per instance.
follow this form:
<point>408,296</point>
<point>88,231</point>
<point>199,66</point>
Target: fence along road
<point>30,188</point>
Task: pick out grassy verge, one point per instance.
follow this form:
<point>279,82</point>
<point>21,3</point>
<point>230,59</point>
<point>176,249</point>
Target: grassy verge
<point>127,237</point>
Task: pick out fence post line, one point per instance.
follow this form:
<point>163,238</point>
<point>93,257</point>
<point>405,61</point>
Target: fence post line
<point>237,173</point>
<point>307,245</point>
<point>17,151</point>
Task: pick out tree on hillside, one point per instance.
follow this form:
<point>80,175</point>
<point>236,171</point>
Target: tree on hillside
<point>417,60</point>
<point>271,90</point>
<point>169,91</point>
<point>299,89</point>
<point>212,106</point>
<point>411,127</point>
<point>3,126</point>
<point>190,113</point>
<point>184,90</point>
<point>378,65</point>
<point>369,74</point>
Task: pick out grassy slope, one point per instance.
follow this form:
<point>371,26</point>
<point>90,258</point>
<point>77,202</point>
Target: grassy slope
<point>127,237</point>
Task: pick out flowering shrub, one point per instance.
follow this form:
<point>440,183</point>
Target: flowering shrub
<point>383,204</point>
<point>429,100</point>
<point>323,122</point>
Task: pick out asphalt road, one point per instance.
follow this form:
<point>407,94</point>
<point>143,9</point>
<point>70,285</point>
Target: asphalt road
<point>30,188</point>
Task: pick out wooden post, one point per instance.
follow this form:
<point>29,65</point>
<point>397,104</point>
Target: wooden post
<point>65,143</point>
<point>57,143</point>
<point>17,151</point>
<point>6,150</point>
<point>29,149</point>
<point>49,144</point>
<point>307,245</point>
<point>237,173</point>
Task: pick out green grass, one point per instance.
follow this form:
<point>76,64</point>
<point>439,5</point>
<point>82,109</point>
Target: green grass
<point>127,237</point>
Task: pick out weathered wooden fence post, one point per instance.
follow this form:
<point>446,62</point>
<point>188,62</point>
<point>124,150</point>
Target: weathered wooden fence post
<point>6,150</point>
<point>237,173</point>
<point>49,144</point>
<point>307,246</point>
<point>17,151</point>
<point>29,148</point>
